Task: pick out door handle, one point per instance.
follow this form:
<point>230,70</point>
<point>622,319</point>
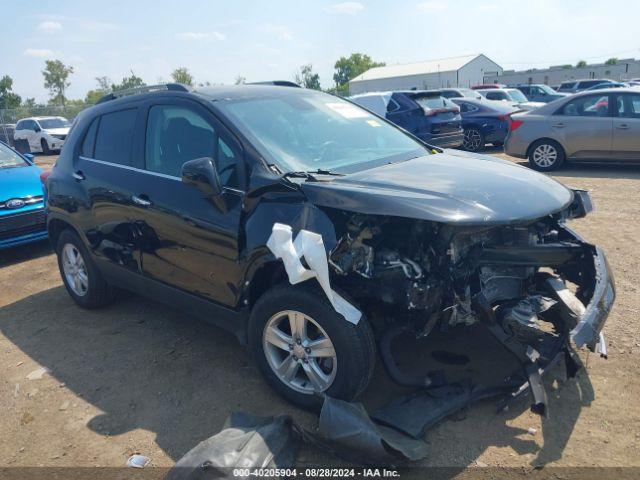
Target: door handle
<point>558,125</point>
<point>78,175</point>
<point>141,200</point>
<point>623,126</point>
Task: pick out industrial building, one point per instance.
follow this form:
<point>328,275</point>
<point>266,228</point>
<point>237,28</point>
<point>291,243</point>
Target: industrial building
<point>462,71</point>
<point>623,69</point>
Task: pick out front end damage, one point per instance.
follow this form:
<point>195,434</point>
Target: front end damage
<point>536,286</point>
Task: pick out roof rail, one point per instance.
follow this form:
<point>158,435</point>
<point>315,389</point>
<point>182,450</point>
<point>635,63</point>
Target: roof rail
<point>277,83</point>
<point>172,87</point>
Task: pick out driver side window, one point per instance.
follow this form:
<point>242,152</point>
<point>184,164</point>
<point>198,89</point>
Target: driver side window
<point>177,134</point>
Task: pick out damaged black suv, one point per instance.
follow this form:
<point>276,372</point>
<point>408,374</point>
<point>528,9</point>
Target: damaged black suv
<point>317,232</point>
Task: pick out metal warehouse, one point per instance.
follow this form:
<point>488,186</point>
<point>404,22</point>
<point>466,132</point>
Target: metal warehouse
<point>463,71</point>
<point>623,69</point>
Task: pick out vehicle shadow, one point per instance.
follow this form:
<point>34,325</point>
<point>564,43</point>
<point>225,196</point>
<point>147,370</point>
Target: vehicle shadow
<point>149,367</point>
<point>22,253</point>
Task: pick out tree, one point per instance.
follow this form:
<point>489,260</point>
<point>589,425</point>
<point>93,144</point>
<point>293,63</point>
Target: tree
<point>128,82</point>
<point>567,66</point>
<point>8,99</point>
<point>55,75</point>
<point>104,87</point>
<point>182,75</point>
<point>611,61</point>
<point>581,64</point>
<point>350,67</point>
<point>240,80</point>
<point>307,78</point>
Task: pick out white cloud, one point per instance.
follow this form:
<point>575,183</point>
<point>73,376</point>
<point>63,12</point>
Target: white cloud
<point>431,7</point>
<point>279,31</point>
<point>38,52</point>
<point>49,27</point>
<point>348,8</point>
<point>201,35</point>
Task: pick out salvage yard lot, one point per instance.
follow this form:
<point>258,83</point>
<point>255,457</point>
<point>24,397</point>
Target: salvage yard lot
<point>138,377</point>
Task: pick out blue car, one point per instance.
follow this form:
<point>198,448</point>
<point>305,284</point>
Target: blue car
<point>484,121</point>
<point>22,213</point>
<point>427,115</point>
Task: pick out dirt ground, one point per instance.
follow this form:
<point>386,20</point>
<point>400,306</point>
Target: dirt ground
<point>138,377</point>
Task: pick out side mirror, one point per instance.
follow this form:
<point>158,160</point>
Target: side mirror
<point>202,174</point>
<point>28,156</point>
<point>37,129</point>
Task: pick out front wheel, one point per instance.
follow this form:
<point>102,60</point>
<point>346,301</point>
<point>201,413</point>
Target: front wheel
<point>546,155</point>
<point>473,140</point>
<point>304,348</point>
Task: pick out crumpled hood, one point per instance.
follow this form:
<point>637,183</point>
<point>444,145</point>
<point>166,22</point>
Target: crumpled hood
<point>458,188</point>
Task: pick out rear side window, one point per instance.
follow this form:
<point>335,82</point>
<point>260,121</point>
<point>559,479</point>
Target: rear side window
<point>587,106</point>
<point>89,142</point>
<point>115,134</point>
<point>20,125</point>
<point>629,105</point>
<point>373,103</point>
<point>496,95</point>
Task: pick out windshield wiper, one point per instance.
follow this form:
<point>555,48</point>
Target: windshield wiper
<point>310,174</point>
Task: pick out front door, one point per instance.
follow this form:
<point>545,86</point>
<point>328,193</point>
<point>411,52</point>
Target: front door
<point>584,127</point>
<point>626,127</point>
<point>187,240</point>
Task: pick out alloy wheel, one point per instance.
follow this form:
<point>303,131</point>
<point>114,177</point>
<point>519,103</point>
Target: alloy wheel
<point>75,270</point>
<point>472,140</point>
<point>545,155</point>
<point>299,352</point>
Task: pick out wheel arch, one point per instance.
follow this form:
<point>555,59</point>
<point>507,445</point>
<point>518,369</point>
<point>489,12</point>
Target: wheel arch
<point>55,226</point>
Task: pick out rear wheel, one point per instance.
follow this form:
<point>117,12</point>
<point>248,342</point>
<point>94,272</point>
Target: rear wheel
<point>473,140</point>
<point>304,348</point>
<point>546,155</point>
<point>81,278</point>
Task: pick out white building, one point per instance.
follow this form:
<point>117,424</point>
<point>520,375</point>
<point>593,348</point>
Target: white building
<point>444,72</point>
<point>624,69</point>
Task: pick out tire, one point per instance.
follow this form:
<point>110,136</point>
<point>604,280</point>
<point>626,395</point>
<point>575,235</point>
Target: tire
<point>473,140</point>
<point>546,155</point>
<point>45,147</point>
<point>94,292</point>
<point>344,376</point>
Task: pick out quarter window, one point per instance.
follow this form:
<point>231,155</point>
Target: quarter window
<point>587,106</point>
<point>115,134</point>
<point>176,135</point>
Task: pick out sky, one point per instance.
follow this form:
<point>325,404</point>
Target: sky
<point>265,40</point>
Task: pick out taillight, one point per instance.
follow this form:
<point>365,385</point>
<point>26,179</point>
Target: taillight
<point>515,124</point>
<point>44,176</point>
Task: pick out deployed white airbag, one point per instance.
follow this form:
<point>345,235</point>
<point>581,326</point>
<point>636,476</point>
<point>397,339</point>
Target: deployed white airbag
<point>310,246</point>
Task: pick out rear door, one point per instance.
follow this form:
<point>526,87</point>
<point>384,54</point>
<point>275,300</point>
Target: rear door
<point>104,173</point>
<point>626,127</point>
<point>188,241</point>
<point>584,127</point>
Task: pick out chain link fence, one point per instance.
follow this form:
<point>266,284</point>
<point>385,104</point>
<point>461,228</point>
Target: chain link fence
<point>10,116</point>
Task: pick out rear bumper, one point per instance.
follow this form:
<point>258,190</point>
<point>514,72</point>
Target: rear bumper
<point>515,147</point>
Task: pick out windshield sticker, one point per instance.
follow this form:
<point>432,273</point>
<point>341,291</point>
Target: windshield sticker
<point>374,123</point>
<point>347,110</point>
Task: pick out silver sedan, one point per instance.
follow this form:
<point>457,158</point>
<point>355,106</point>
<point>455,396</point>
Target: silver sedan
<point>589,126</point>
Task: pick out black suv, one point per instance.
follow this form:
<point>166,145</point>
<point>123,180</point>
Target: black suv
<point>315,230</point>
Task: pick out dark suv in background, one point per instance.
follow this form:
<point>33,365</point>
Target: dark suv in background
<point>426,114</point>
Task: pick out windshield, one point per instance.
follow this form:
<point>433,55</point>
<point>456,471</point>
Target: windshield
<point>517,95</point>
<point>9,158</point>
<point>60,122</point>
<point>547,89</point>
<point>301,130</point>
